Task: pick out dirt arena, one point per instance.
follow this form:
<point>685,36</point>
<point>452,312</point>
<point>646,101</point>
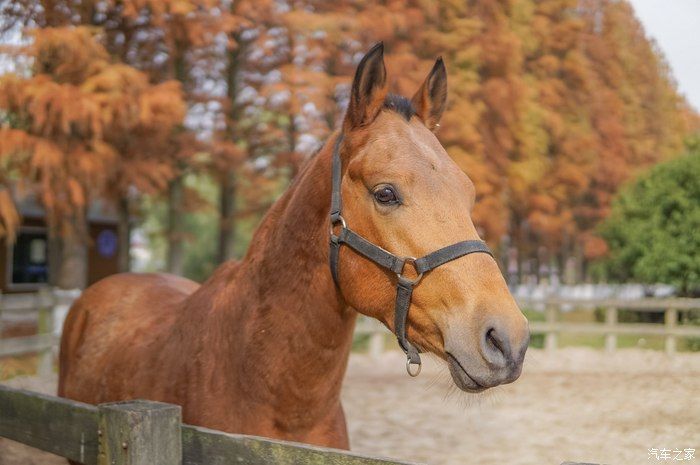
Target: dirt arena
<point>574,404</point>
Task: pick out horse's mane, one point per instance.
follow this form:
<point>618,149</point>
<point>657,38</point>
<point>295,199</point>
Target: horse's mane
<point>400,105</point>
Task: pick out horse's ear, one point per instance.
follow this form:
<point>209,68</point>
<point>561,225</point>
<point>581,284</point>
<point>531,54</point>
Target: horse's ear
<point>369,89</point>
<point>430,99</point>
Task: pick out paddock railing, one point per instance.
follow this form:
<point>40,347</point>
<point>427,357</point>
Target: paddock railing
<point>143,432</point>
<point>610,329</point>
<point>39,308</point>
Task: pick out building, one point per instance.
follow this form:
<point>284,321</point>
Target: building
<point>26,265</point>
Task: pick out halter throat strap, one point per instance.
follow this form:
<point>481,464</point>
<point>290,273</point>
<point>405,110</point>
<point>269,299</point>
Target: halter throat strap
<point>395,264</point>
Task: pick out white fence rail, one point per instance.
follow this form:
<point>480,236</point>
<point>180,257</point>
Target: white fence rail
<point>670,330</point>
<point>39,307</point>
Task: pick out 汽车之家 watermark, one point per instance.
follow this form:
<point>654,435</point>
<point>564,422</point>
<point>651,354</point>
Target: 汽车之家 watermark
<point>678,455</point>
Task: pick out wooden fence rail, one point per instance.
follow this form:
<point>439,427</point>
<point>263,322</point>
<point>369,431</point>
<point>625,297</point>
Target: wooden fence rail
<point>143,432</point>
<point>42,304</point>
<point>146,433</point>
<point>612,327</point>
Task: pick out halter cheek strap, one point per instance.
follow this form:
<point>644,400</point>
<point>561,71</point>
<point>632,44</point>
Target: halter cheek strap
<point>389,261</point>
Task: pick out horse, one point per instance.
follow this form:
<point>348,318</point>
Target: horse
<point>262,346</point>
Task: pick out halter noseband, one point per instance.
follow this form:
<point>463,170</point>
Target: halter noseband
<point>389,261</point>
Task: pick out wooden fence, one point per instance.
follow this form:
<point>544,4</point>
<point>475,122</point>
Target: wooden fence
<point>145,433</point>
<point>377,333</point>
<point>20,305</point>
<point>670,330</point>
<point>40,307</point>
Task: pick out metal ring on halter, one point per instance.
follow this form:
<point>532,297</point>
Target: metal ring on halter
<point>413,374</point>
<point>340,220</point>
<point>414,281</point>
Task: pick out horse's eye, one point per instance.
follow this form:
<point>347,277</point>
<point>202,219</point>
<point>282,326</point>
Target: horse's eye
<point>386,195</point>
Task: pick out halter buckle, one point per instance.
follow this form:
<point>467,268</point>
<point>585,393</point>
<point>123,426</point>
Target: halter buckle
<point>415,372</point>
<point>414,281</point>
<point>334,223</point>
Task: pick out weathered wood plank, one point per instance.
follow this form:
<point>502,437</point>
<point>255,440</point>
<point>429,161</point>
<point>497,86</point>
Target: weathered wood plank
<point>551,315</point>
<point>649,304</point>
<point>70,429</point>
<point>670,322</point>
<point>60,426</point>
<point>45,327</point>
<point>203,446</point>
<point>610,336</point>
<point>620,328</point>
<point>139,432</point>
<point>26,344</point>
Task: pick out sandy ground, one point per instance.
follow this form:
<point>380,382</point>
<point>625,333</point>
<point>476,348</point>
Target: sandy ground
<point>574,404</point>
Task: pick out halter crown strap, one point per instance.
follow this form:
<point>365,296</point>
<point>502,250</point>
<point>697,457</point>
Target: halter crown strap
<point>389,261</point>
<point>336,171</point>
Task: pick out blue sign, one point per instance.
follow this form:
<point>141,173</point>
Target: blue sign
<point>107,243</point>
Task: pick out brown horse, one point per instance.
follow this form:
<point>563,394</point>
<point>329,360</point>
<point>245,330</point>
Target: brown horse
<point>261,347</point>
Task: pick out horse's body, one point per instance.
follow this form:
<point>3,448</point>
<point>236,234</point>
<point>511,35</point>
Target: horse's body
<point>262,346</point>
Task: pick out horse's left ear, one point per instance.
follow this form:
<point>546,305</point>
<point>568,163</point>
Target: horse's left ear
<point>430,99</point>
<point>369,89</point>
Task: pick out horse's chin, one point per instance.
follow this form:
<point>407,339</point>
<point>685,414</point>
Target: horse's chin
<point>461,378</point>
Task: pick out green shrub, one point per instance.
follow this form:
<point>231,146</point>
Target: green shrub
<point>652,231</point>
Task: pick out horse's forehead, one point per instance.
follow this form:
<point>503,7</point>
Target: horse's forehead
<point>394,140</point>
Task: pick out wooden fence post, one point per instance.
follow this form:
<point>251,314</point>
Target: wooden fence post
<point>610,323</point>
<point>376,344</point>
<point>45,328</point>
<point>139,432</point>
<point>550,314</point>
<point>0,314</point>
<point>670,320</point>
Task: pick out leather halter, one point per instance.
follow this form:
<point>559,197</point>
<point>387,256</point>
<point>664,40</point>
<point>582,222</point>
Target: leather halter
<point>389,261</point>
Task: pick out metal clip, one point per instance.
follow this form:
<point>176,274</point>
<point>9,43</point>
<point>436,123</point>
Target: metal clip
<point>416,372</point>
<point>340,220</point>
<point>419,276</point>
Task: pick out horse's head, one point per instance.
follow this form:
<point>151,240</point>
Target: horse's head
<point>403,192</point>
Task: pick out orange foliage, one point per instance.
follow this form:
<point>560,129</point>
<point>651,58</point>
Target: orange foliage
<point>553,103</point>
<point>76,126</point>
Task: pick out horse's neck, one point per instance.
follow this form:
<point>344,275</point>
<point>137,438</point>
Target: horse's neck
<point>289,333</point>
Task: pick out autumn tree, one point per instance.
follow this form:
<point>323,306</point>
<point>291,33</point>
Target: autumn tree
<point>64,131</point>
<point>166,40</point>
<point>553,103</point>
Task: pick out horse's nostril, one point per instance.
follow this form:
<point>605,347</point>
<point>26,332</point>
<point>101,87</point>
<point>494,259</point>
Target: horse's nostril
<point>496,347</point>
<point>492,340</point>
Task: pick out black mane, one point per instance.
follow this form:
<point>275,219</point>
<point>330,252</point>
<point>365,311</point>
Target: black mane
<point>400,105</point>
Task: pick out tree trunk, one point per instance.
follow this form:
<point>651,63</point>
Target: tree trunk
<point>175,260</point>
<point>54,256</point>
<point>227,206</point>
<point>72,269</point>
<point>227,200</point>
<point>124,234</point>
<point>176,227</point>
<point>580,267</point>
